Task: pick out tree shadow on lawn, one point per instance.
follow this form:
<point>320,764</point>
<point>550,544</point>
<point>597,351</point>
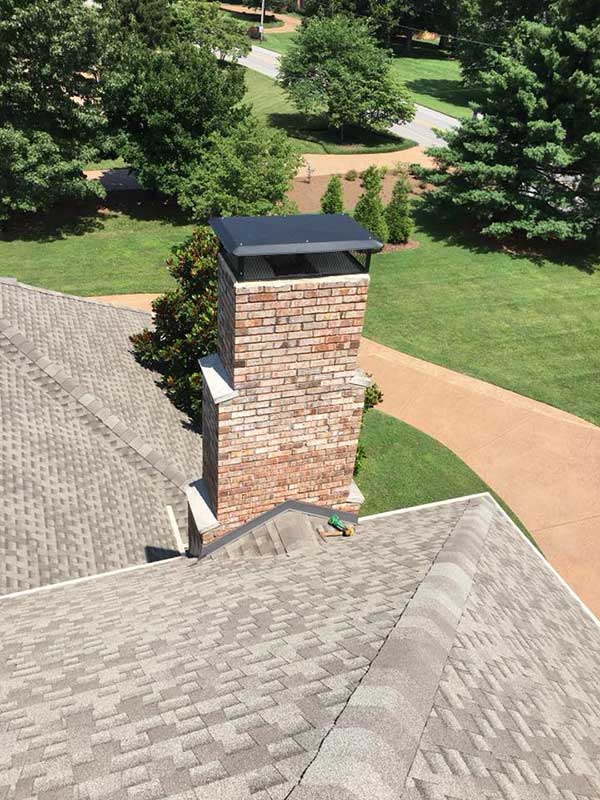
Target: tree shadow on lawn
<point>450,91</point>
<point>78,219</point>
<point>421,49</point>
<point>315,130</point>
<point>459,235</point>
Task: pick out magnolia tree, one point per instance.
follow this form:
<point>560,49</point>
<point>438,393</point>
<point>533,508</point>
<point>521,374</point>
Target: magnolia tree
<point>336,69</point>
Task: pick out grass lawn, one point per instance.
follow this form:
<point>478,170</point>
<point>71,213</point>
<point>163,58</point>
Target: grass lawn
<point>530,324</point>
<point>405,467</point>
<point>270,102</point>
<point>279,42</point>
<point>434,80</point>
<point>87,251</point>
<point>107,163</point>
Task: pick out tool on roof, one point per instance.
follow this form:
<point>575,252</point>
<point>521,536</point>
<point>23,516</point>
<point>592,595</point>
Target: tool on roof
<point>341,527</point>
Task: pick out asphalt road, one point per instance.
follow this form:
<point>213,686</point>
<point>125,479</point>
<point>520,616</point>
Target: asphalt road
<point>419,130</point>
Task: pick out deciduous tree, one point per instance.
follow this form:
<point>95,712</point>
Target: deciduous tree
<point>246,169</point>
<point>335,68</point>
<point>50,121</point>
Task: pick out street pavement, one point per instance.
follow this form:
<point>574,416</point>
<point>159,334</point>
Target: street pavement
<point>419,130</point>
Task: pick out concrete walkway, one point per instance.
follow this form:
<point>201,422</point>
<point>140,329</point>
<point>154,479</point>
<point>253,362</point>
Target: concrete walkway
<point>543,462</point>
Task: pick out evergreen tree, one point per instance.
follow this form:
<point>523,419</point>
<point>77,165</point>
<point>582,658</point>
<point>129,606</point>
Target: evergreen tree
<point>529,163</point>
<point>369,211</point>
<point>397,213</point>
<point>332,201</point>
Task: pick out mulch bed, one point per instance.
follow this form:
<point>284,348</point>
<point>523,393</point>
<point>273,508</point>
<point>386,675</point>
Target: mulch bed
<point>393,248</point>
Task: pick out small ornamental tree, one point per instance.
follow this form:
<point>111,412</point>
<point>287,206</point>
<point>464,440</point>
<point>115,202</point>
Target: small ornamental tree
<point>332,201</point>
<point>335,68</point>
<point>185,322</point>
<point>397,213</point>
<point>369,211</point>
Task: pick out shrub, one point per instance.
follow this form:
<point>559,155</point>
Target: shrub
<point>332,201</point>
<point>369,211</point>
<point>397,214</point>
<point>185,322</point>
<point>351,175</point>
<point>373,396</point>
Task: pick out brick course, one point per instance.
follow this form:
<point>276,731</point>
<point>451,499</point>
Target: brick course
<point>290,349</point>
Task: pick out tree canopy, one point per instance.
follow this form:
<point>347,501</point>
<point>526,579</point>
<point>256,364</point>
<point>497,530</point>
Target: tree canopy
<point>335,68</point>
<point>50,121</point>
<point>529,163</point>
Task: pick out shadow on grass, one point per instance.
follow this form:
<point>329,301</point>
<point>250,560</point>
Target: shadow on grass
<point>450,91</point>
<point>421,49</point>
<point>315,130</point>
<point>253,18</point>
<point>451,232</point>
<point>77,219</point>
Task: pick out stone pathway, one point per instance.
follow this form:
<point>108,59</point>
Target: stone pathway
<point>543,462</point>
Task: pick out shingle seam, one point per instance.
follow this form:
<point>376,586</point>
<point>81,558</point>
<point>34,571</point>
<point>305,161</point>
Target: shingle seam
<point>41,290</point>
<point>370,749</point>
<point>111,424</point>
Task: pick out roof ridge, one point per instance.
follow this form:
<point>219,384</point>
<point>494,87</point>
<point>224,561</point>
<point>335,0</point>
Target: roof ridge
<point>92,403</point>
<point>42,290</point>
<point>378,732</point>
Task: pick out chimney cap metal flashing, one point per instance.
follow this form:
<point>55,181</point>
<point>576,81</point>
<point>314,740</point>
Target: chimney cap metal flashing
<point>292,235</point>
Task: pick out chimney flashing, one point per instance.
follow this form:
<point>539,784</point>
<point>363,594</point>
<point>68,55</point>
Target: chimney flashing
<point>216,379</point>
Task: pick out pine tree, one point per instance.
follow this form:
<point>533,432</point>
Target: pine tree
<point>397,213</point>
<point>529,163</point>
<point>332,201</point>
<point>369,211</point>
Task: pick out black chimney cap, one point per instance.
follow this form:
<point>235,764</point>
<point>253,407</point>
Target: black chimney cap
<point>301,233</point>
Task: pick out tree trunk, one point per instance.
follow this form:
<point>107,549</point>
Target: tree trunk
<point>444,41</point>
<point>408,42</point>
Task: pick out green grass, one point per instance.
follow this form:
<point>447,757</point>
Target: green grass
<point>530,324</point>
<point>107,163</point>
<point>270,102</point>
<point>404,467</point>
<point>434,80</point>
<point>279,42</point>
<point>89,251</point>
<point>431,76</point>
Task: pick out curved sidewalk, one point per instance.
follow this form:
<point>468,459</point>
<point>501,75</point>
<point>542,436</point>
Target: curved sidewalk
<point>543,462</point>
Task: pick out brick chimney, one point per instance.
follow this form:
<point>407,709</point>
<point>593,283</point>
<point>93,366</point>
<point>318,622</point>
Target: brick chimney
<point>282,397</point>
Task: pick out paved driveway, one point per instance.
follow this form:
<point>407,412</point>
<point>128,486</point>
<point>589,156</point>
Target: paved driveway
<point>543,462</point>
<point>419,130</point>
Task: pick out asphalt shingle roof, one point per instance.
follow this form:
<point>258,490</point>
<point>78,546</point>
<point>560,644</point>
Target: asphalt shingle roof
<point>92,451</point>
<point>433,655</point>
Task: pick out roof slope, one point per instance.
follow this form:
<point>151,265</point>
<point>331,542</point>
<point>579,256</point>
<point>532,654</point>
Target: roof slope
<point>432,655</point>
<point>93,452</point>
